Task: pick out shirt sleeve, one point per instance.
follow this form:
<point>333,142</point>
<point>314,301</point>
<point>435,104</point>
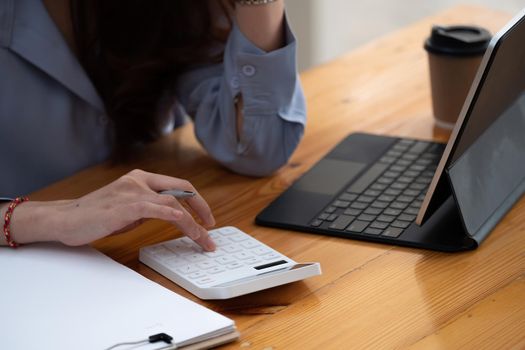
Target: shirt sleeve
<point>274,105</point>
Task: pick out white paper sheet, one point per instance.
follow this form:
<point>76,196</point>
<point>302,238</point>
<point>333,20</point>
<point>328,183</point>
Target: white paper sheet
<point>56,297</point>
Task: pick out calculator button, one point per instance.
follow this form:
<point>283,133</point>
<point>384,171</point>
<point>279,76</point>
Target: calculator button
<point>231,248</point>
<point>261,251</point>
<point>238,238</point>
<point>223,260</point>
<point>250,244</point>
<point>194,257</point>
<point>216,269</point>
<point>225,231</point>
<point>272,255</point>
<point>214,254</point>
<point>164,254</point>
<point>187,269</point>
<point>174,263</point>
<point>205,280</point>
<point>252,261</point>
<point>195,275</point>
<point>242,255</point>
<point>214,234</point>
<point>234,265</point>
<point>220,241</point>
<point>205,265</point>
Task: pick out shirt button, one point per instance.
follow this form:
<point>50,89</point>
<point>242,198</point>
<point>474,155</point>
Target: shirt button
<point>235,83</point>
<point>248,70</point>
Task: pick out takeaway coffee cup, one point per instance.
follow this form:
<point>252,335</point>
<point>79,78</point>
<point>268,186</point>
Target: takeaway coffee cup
<point>454,54</point>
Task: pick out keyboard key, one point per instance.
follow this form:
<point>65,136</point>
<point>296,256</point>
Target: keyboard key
<point>404,198</point>
<point>406,217</point>
<point>316,223</point>
<point>403,162</point>
<point>357,226</point>
<point>398,205</point>
<point>405,179</point>
<point>378,187</point>
<point>410,192</point>
<point>386,218</point>
<point>360,185</point>
<point>323,216</point>
<point>385,180</point>
<point>373,211</point>
<point>330,210</point>
<point>405,142</point>
<point>194,257</point>
<point>409,156</point>
<point>340,204</point>
<point>271,255</point>
<point>398,168</point>
<point>373,231</point>
<point>386,198</point>
<point>419,147</point>
<point>392,211</point>
<point>387,160</point>
<point>398,186</point>
<point>391,173</point>
<point>366,217</point>
<point>252,261</point>
<point>416,204</point>
<point>379,204</point>
<point>416,167</point>
<point>352,211</point>
<point>349,197</point>
<point>412,211</point>
<point>261,251</point>
<point>220,241</point>
<point>379,225</point>
<point>341,222</point>
<point>214,254</point>
<point>372,193</point>
<point>359,205</point>
<point>392,232</point>
<point>392,192</point>
<point>394,153</point>
<point>365,199</point>
<point>332,217</point>
<point>400,224</point>
<point>411,173</point>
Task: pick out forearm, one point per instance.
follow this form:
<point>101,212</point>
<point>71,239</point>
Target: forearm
<point>263,25</point>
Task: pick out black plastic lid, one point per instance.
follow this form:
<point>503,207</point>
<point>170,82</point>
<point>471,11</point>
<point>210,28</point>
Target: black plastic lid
<point>458,40</point>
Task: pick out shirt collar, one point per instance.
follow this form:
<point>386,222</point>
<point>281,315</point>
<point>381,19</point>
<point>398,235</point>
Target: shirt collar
<point>28,30</point>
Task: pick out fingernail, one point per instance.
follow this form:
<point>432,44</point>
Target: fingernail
<point>177,214</point>
<point>210,245</point>
<point>195,234</point>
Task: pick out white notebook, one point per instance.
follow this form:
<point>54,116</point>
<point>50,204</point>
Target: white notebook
<point>56,297</point>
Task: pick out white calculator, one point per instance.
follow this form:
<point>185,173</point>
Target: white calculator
<point>240,265</point>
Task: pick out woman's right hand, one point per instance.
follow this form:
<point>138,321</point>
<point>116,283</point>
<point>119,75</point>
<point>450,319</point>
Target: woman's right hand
<point>115,208</point>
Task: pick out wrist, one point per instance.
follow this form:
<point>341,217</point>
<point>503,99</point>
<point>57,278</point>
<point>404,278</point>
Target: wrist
<point>37,222</point>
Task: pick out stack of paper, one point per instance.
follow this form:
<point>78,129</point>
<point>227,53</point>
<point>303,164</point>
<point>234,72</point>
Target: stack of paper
<point>56,297</point>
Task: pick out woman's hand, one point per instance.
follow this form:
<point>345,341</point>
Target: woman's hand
<point>115,208</point>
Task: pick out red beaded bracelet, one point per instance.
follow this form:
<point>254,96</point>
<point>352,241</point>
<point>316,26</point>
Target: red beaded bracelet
<point>7,220</point>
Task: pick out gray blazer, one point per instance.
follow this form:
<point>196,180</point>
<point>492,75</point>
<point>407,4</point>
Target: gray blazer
<point>53,122</point>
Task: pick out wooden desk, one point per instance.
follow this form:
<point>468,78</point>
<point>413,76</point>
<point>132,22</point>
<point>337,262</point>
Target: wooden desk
<point>370,295</point>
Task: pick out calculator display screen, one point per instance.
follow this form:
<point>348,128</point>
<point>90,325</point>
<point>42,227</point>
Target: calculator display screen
<point>259,275</point>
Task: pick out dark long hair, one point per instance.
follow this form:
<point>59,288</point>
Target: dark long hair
<point>134,50</point>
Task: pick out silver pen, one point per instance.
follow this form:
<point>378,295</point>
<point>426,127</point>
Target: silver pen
<point>180,194</point>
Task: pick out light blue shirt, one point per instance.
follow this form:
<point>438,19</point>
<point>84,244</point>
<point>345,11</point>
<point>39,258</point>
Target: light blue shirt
<point>53,122</point>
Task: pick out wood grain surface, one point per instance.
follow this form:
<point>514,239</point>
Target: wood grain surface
<point>370,295</point>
